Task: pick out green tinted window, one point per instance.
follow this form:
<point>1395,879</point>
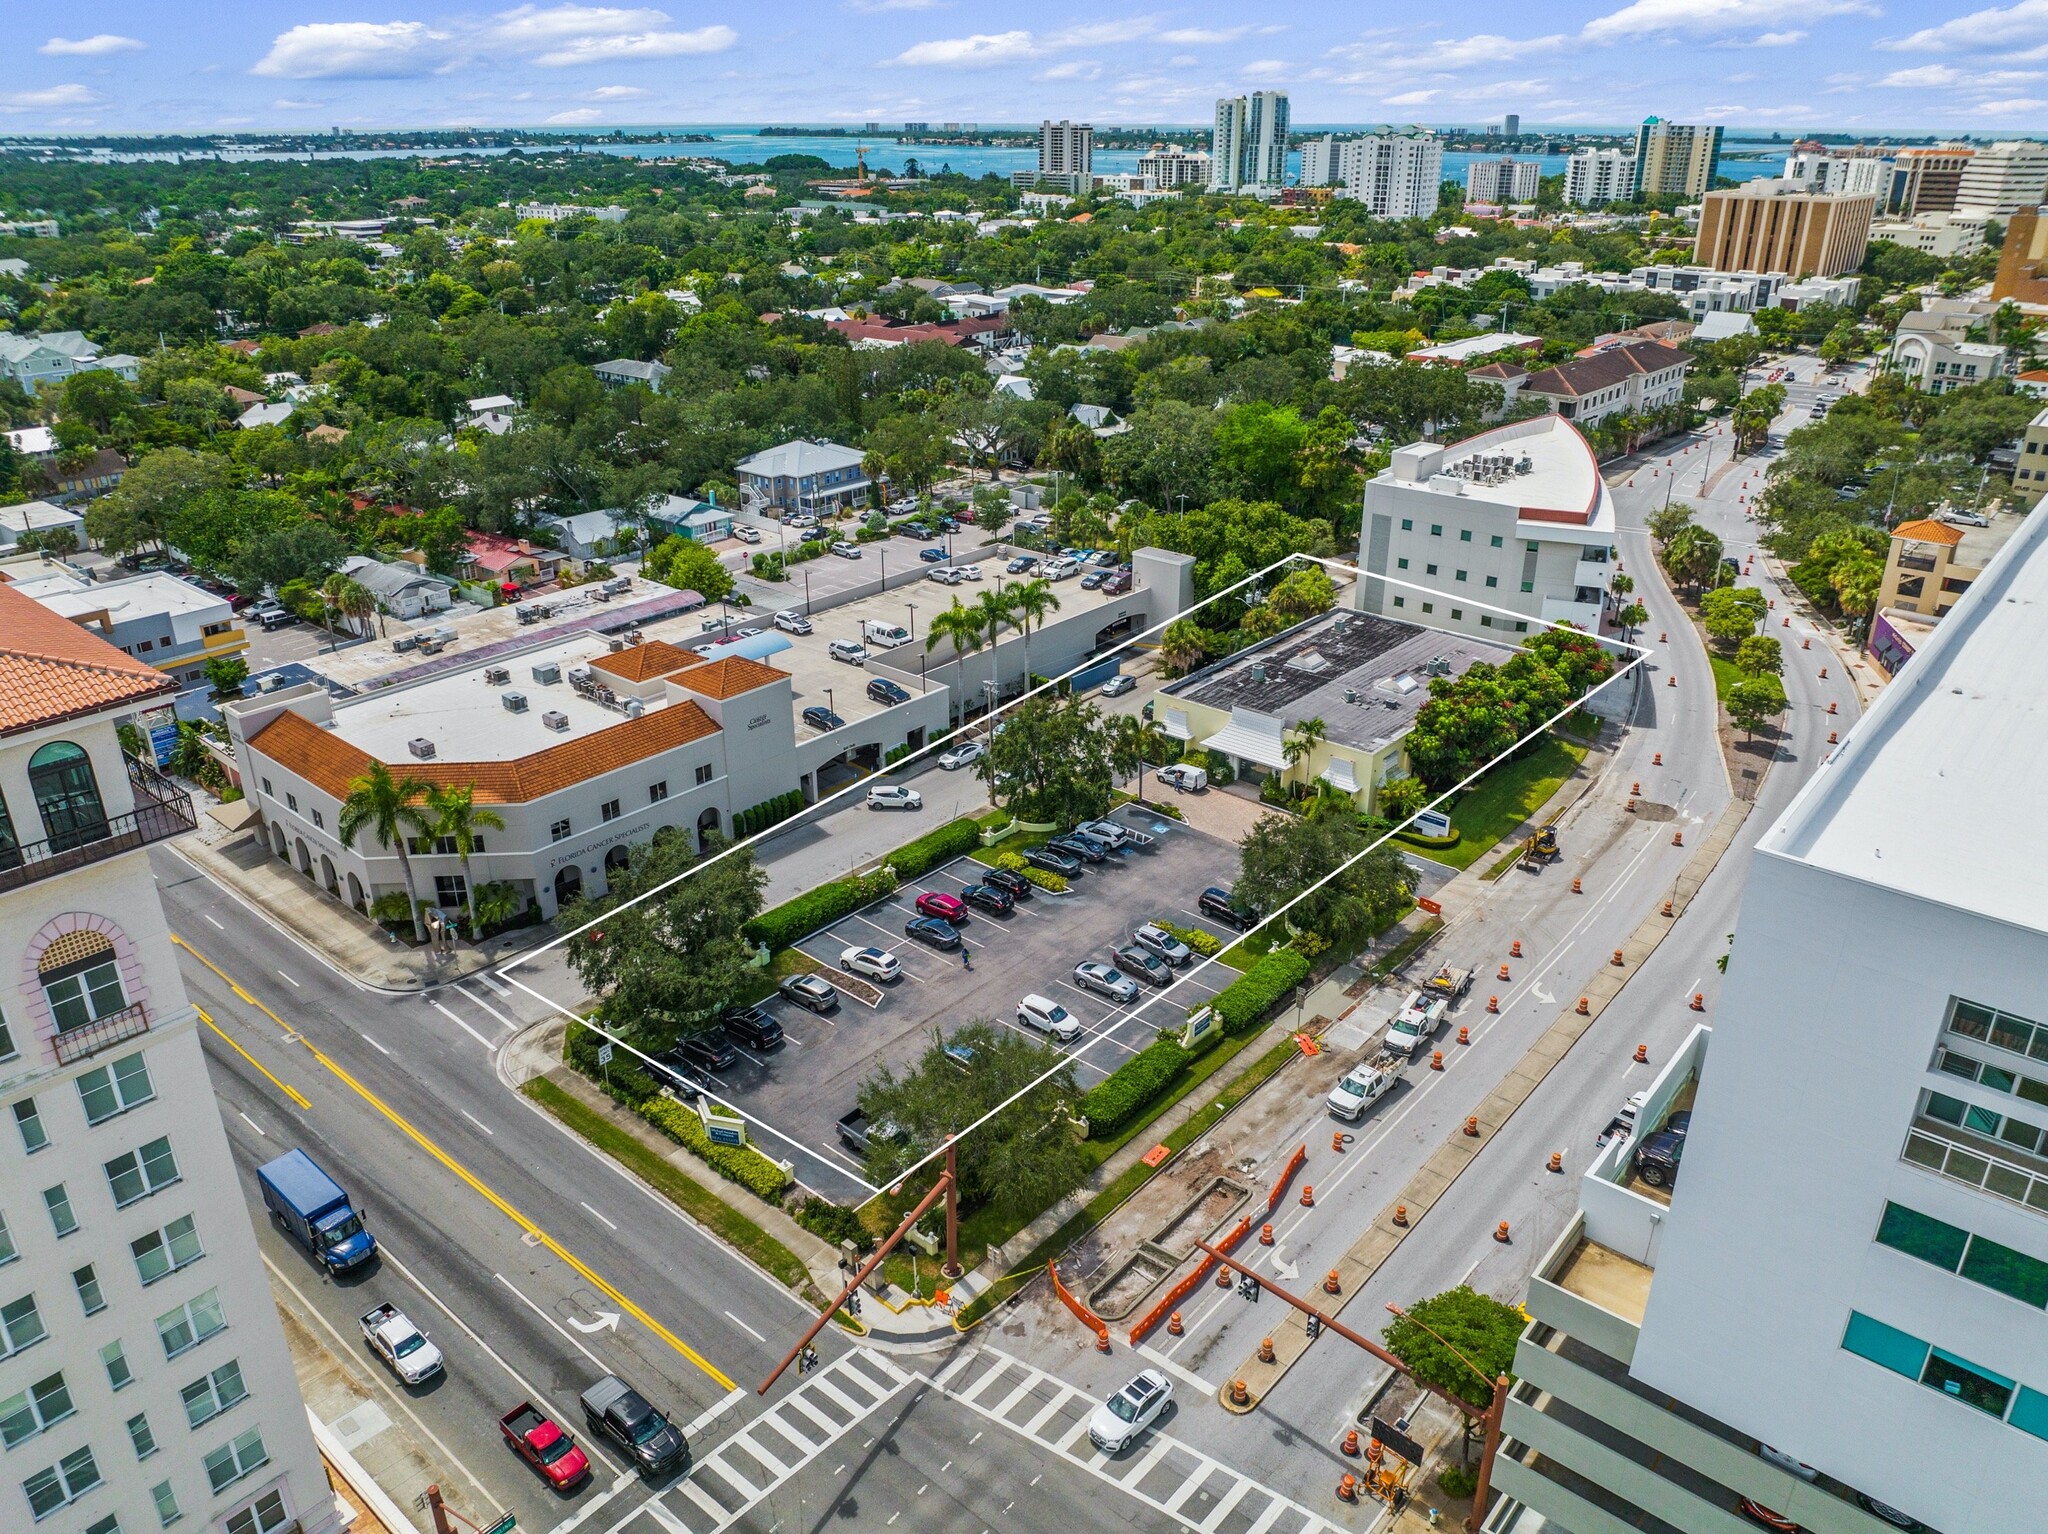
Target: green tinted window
<point>1885,1346</point>
<point>1918,1235</point>
<point>1968,1383</point>
<point>1948,1109</point>
<point>2007,1271</point>
<point>1971,1020</point>
<point>2030,1413</point>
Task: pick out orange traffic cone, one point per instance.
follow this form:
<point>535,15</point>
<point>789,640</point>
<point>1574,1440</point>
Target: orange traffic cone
<point>1699,1002</point>
<point>1585,1006</point>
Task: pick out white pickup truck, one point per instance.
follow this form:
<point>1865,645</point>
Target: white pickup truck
<point>1365,1084</point>
<point>400,1344</point>
<point>1416,1021</point>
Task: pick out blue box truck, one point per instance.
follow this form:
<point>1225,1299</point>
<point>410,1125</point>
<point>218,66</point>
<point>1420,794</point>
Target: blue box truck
<point>311,1205</point>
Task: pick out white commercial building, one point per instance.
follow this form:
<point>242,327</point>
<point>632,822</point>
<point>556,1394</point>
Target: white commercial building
<point>1066,157</point>
<point>1504,180</point>
<point>1596,177</point>
<point>1515,518</point>
<point>1395,176</point>
<point>144,1380</point>
<point>2004,177</point>
<point>174,625</point>
<point>1321,161</point>
<point>1848,173</point>
<point>1852,1267</point>
<point>1633,379</point>
<point>1248,146</point>
<point>1167,167</point>
<point>1950,235</point>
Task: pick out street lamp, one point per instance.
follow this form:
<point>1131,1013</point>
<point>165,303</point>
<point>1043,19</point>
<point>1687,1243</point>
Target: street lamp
<point>833,710</point>
<point>913,618</point>
<point>807,593</point>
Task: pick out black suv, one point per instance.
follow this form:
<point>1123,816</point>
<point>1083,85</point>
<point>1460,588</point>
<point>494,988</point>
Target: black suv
<point>708,1051</point>
<point>1657,1157</point>
<point>750,1025</point>
<point>1223,907</point>
<point>882,690</point>
<point>989,896</point>
<point>819,717</point>
<point>679,1073</point>
<point>935,930</point>
<point>1010,882</point>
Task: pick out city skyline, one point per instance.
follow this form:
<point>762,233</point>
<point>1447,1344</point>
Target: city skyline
<point>1850,66</point>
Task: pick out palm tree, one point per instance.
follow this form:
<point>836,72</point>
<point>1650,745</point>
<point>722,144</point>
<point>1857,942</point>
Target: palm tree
<point>390,807</point>
<point>961,625</point>
<point>1134,744</point>
<point>1181,646</point>
<point>995,612</point>
<point>457,817</point>
<point>1302,740</point>
<point>1030,601</point>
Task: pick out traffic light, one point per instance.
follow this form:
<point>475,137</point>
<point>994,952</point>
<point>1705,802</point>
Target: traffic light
<point>1250,1288</point>
<point>853,1302</point>
<point>807,1360</point>
<point>1315,1327</point>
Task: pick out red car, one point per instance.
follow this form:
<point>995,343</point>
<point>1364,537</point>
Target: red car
<point>949,907</point>
<point>543,1445</point>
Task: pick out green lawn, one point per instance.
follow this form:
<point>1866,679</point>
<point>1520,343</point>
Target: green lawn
<point>1506,797</point>
<point>1725,675</point>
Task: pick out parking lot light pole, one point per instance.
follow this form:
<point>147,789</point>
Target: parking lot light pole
<point>913,618</point>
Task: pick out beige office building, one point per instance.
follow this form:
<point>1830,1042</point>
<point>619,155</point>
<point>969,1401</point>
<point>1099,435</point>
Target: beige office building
<point>1927,180</point>
<point>1675,159</point>
<point>1774,226</point>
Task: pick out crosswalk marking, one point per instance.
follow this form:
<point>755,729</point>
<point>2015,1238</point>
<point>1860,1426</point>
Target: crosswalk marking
<point>746,1487</point>
<point>1002,1409</point>
<point>1222,1509</point>
<point>1067,1393</point>
<point>664,1517</point>
<point>705,1501</point>
<point>802,1444</point>
<point>974,1390</point>
<point>1071,1436</point>
<point>1190,1486</point>
<point>841,1399</point>
<point>752,1445</point>
<point>1161,1447</point>
<point>832,1429</point>
<point>1268,1518</point>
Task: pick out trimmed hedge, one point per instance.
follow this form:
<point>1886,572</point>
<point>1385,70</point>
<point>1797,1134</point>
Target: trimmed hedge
<point>1439,843</point>
<point>623,1081</point>
<point>736,1163</point>
<point>1125,1090</point>
<point>1044,878</point>
<point>769,812</point>
<point>954,839</point>
<point>1207,944</point>
<point>1245,1002</point>
<point>779,926</point>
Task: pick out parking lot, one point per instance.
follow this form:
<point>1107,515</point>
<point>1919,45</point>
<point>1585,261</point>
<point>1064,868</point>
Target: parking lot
<point>829,580</point>
<point>804,1087</point>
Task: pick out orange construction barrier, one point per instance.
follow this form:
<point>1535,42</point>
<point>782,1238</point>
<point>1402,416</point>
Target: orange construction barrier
<point>1663,638</point>
<point>1102,1340</point>
<point>1331,1283</point>
<point>1082,1313</point>
<point>1436,1059</point>
<point>1823,673</point>
<point>1806,644</point>
<point>1351,1443</point>
<point>1501,1233</point>
<point>1308,1196</point>
<point>1671,681</point>
<point>1492,1005</point>
<point>1472,1125</point>
<point>1266,1350</point>
<point>1347,1489</point>
<point>1831,708</point>
<point>1636,787</point>
<point>1401,1214</point>
<point>1630,806</point>
<point>1667,909</point>
<point>1173,1326</point>
<point>1239,1396</point>
<point>1265,1235</point>
<point>1657,759</point>
<point>1616,961</point>
<point>1557,1161</point>
<point>1337,1140</point>
<point>1678,838</point>
<point>1585,1006</point>
<point>1295,1163</point>
<point>1375,1451</point>
<point>1192,1282</point>
<point>1642,1054</point>
<point>1832,740</point>
<point>1515,949</point>
<point>1464,1033</point>
<point>1699,1002</point>
<point>1576,890</point>
<point>1503,972</point>
<point>1785,623</point>
<point>1223,1278</point>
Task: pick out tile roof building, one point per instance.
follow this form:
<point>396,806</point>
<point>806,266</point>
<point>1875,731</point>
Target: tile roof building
<point>1629,379</point>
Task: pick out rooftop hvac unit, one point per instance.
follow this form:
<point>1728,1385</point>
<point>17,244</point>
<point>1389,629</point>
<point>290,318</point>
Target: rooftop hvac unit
<point>619,585</point>
<point>1437,666</point>
<point>1258,672</point>
<point>420,747</point>
<point>1351,695</point>
<point>615,645</point>
<point>515,702</point>
<point>555,719</point>
<point>579,676</point>
<point>635,707</point>
<point>526,613</point>
<point>548,672</point>
<point>496,676</point>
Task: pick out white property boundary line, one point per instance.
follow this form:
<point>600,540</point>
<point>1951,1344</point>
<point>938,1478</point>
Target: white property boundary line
<point>1639,653</point>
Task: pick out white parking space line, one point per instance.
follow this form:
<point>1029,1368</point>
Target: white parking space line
<point>477,1121</point>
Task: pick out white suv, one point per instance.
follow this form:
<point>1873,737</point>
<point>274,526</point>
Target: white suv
<point>1048,1017</point>
<point>1122,1419</point>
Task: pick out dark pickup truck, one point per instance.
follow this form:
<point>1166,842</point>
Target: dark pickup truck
<point>622,1414</point>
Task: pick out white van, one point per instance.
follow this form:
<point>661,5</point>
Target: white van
<point>884,636</point>
<point>1048,1017</point>
<point>1185,777</point>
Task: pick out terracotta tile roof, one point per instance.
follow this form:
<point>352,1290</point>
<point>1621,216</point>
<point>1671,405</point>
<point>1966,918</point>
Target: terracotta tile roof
<point>729,677</point>
<point>52,670</point>
<point>636,663</point>
<point>328,762</point>
<point>1928,531</point>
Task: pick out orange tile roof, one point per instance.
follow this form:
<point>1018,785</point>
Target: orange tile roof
<point>52,670</point>
<point>729,677</point>
<point>1928,531</point>
<point>328,762</point>
<point>636,663</point>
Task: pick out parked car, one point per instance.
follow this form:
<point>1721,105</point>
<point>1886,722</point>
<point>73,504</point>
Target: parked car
<point>1060,569</point>
<point>679,1073</point>
<point>1051,860</point>
<point>710,1051</point>
<point>969,572</point>
<point>799,519</point>
<point>1105,981</point>
<point>619,1412</point>
<point>272,616</point>
<point>1047,1016</point>
<point>819,717</point>
<point>1081,845</point>
<point>1154,938</point>
<point>932,556</point>
<point>1363,1085</point>
<point>1011,883</point>
<point>846,549</point>
<point>1184,776</point>
<point>937,903</point>
<point>1117,686</point>
<point>1122,1419</point>
<point>934,931</point>
<point>874,963</point>
<point>890,796</point>
<point>790,621</point>
<point>988,897</point>
<point>1221,905</point>
<point>944,575</point>
<point>540,1441</point>
<point>1114,834</point>
<point>1149,967</point>
<point>810,991</point>
<point>1021,564</point>
<point>745,533</point>
<point>966,754</point>
<point>847,650</point>
<point>1093,580</point>
<point>1657,1155</point>
<point>750,1025</point>
<point>1117,584</point>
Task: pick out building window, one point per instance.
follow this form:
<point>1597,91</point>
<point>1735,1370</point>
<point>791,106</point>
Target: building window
<point>86,988</point>
<point>21,1325</point>
<point>1465,535</point>
<point>1535,548</point>
<point>241,1456</point>
<point>1436,529</point>
<point>163,1252</point>
<point>451,892</point>
<point>1494,540</point>
<point>7,1248</point>
<point>34,1410</point>
<point>139,1173</point>
<point>58,1202</point>
<point>87,1282</point>
<point>140,1436</point>
<point>319,820</point>
<point>30,1122</point>
<point>67,796</point>
<point>1400,601</point>
<point>1521,628</point>
<point>1955,1250</point>
<point>211,1394</point>
<point>1400,564</point>
<point>1528,585</point>
<point>166,1504</point>
<point>1457,614</point>
<point>1486,620</point>
<point>263,1516</point>
<point>268,790</point>
<point>119,1375</point>
<point>291,802</point>
<point>190,1324</point>
<point>1429,607</point>
<point>62,1484</point>
<point>1407,524</point>
<point>704,773</point>
<point>1460,574</point>
<point>1903,1353</point>
<point>656,792</point>
<point>7,1049</point>
<point>558,831</point>
<point>115,1088</point>
<point>2001,1029</point>
<point>1429,569</point>
<point>609,810</point>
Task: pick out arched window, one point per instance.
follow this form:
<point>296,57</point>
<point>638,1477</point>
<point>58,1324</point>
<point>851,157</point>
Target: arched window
<point>67,796</point>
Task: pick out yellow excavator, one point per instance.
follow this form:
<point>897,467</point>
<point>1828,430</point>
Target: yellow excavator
<point>1542,847</point>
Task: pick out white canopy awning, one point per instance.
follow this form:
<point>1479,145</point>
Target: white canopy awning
<point>1235,739</point>
<point>1341,773</point>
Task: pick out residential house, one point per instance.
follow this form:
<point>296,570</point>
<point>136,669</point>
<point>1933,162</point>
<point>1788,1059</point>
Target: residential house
<point>681,516</point>
<point>1931,349</point>
<point>1627,380</point>
<point>40,519</point>
<point>97,475</point>
<point>510,564</point>
<point>624,372</point>
<point>492,413</point>
<point>37,442</point>
<point>37,360</point>
<point>1099,419</point>
<point>588,536</point>
<point>403,590</point>
<point>269,413</point>
<point>804,476</point>
<point>1472,348</point>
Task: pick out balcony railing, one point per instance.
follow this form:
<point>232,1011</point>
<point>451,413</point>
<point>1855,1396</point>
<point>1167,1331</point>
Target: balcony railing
<point>1964,1163</point>
<point>161,810</point>
<point>75,1044</point>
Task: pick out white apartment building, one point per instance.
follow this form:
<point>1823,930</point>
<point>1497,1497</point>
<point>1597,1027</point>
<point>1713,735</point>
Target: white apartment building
<point>1516,518</point>
<point>1167,167</point>
<point>1321,161</point>
<point>1950,235</point>
<point>1503,180</point>
<point>1248,145</point>
<point>2004,177</point>
<point>1066,156</point>
<point>174,625</point>
<point>1595,177</point>
<point>1851,173</point>
<point>1395,176</point>
<point>144,1380</point>
<point>1880,1323</point>
<point>1675,159</point>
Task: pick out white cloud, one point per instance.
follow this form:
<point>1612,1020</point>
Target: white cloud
<point>1766,40</point>
<point>378,50</point>
<point>638,45</point>
<point>1411,98</point>
<point>577,115</point>
<point>1648,18</point>
<point>287,104</point>
<point>1267,69</point>
<point>1449,53</point>
<point>1073,69</point>
<point>1980,31</point>
<point>2010,105</point>
<point>51,96</point>
<point>1947,76</point>
<point>617,93</point>
<point>975,52</point>
<point>1192,36</point>
<point>1183,61</point>
<point>98,44</point>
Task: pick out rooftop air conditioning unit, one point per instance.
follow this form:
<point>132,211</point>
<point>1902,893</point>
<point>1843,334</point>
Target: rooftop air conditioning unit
<point>515,702</point>
<point>497,676</point>
<point>420,747</point>
<point>548,672</point>
<point>1351,695</point>
<point>579,676</point>
<point>1258,671</point>
<point>615,645</point>
<point>635,707</point>
<point>555,719</point>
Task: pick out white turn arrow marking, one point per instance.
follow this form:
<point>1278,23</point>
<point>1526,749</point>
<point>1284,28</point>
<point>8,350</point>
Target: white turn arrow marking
<point>1286,1270</point>
<point>607,1321</point>
<point>1542,995</point>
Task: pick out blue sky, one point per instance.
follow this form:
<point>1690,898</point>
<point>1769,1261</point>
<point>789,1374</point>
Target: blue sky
<point>1853,65</point>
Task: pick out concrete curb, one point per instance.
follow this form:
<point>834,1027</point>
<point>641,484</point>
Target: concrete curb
<point>373,1496</point>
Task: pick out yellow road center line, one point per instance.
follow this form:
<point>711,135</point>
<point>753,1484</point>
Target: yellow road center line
<point>405,1127</point>
<point>290,1092</point>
